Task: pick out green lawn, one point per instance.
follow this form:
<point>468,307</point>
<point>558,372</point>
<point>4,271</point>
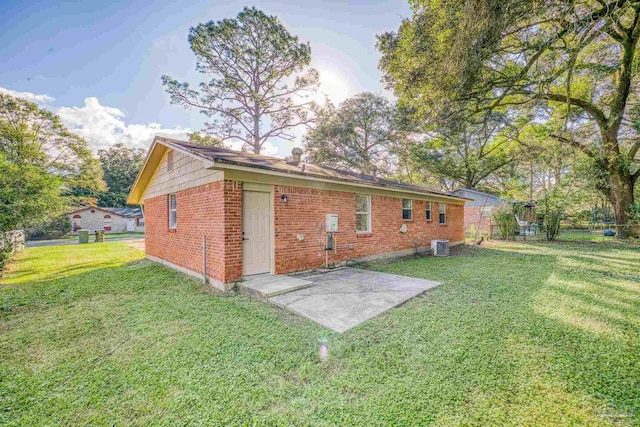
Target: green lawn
<point>584,235</point>
<point>517,334</point>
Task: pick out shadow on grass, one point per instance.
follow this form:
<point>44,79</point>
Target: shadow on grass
<point>115,344</point>
<point>585,319</point>
<point>512,336</point>
<point>79,281</point>
<point>526,325</point>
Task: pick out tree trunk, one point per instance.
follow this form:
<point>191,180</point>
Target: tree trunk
<point>256,135</point>
<point>256,126</point>
<point>621,196</point>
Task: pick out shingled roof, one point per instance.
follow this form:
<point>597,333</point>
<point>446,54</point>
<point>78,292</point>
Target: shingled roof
<point>127,212</point>
<point>258,161</point>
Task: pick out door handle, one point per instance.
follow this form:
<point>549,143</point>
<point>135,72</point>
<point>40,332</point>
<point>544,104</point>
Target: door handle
<point>244,238</point>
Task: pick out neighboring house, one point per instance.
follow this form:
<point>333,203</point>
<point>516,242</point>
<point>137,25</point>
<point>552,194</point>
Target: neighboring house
<point>478,211</point>
<point>222,214</point>
<point>111,220</point>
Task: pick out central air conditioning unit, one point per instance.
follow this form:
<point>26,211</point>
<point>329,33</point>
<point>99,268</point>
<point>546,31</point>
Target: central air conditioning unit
<point>440,247</point>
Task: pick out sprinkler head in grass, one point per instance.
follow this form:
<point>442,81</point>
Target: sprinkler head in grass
<point>324,351</point>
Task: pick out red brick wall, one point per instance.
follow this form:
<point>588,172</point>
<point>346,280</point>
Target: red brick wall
<point>211,210</point>
<point>233,231</point>
<point>215,210</point>
<point>304,213</point>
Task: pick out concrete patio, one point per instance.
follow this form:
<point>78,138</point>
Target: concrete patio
<point>339,299</point>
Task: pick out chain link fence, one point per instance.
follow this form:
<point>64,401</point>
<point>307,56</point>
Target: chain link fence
<point>583,232</point>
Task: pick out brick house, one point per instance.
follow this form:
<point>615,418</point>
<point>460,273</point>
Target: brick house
<point>222,214</point>
<point>111,220</point>
<point>478,210</point>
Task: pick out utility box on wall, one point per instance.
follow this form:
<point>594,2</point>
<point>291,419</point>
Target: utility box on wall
<point>332,223</point>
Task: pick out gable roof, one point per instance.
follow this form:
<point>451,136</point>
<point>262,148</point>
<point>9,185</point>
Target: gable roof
<point>221,158</point>
<point>126,212</point>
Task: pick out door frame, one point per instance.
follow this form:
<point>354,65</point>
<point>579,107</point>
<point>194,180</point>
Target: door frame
<point>263,188</point>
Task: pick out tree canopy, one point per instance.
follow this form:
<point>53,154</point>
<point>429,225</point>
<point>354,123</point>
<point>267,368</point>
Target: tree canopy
<point>258,79</point>
<point>468,155</point>
<point>208,140</point>
<point>30,135</point>
<point>361,132</point>
<point>44,168</point>
<point>574,60</point>
<point>121,165</point>
<point>28,195</point>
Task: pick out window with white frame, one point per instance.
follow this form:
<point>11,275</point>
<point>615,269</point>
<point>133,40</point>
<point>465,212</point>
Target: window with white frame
<point>442,213</point>
<point>363,213</point>
<point>173,217</point>
<point>427,211</point>
<point>407,209</point>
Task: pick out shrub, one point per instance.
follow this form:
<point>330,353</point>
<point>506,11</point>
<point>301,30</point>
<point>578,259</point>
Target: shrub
<point>6,251</point>
<point>506,221</point>
<point>53,230</point>
<point>551,224</point>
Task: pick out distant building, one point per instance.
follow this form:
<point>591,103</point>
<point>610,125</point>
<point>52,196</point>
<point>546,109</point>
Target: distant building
<point>111,220</point>
<point>478,211</point>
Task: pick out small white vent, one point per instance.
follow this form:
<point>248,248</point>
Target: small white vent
<point>440,247</point>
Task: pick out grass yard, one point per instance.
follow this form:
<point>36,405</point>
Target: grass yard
<point>517,334</point>
<point>107,236</point>
<point>584,235</point>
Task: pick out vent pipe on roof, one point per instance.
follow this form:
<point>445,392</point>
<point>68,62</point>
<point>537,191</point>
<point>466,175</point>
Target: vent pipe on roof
<point>373,170</point>
<point>296,153</point>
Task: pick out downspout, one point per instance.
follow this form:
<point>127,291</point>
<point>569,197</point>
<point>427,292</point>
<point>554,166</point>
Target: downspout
<point>204,260</point>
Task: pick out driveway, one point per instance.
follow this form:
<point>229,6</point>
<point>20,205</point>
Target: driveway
<point>345,297</point>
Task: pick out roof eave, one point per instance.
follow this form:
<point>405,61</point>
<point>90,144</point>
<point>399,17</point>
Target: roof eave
<point>225,164</point>
<point>150,164</point>
<point>156,153</point>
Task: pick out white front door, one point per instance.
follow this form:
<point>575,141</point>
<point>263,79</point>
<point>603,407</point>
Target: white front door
<point>131,224</point>
<point>256,232</point>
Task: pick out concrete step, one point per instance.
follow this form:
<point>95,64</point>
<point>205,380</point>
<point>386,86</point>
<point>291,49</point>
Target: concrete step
<point>270,285</point>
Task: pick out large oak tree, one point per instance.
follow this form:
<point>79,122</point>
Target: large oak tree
<point>575,58</point>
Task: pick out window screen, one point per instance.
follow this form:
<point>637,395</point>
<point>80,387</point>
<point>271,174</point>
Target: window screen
<point>173,217</point>
<point>363,213</point>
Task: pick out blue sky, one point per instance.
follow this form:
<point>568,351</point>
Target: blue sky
<point>100,62</point>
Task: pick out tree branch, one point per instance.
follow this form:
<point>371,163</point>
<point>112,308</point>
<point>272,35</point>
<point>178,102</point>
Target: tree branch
<point>573,143</point>
<point>587,106</point>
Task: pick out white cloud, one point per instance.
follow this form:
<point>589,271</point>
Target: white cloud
<point>104,126</point>
<point>29,96</point>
